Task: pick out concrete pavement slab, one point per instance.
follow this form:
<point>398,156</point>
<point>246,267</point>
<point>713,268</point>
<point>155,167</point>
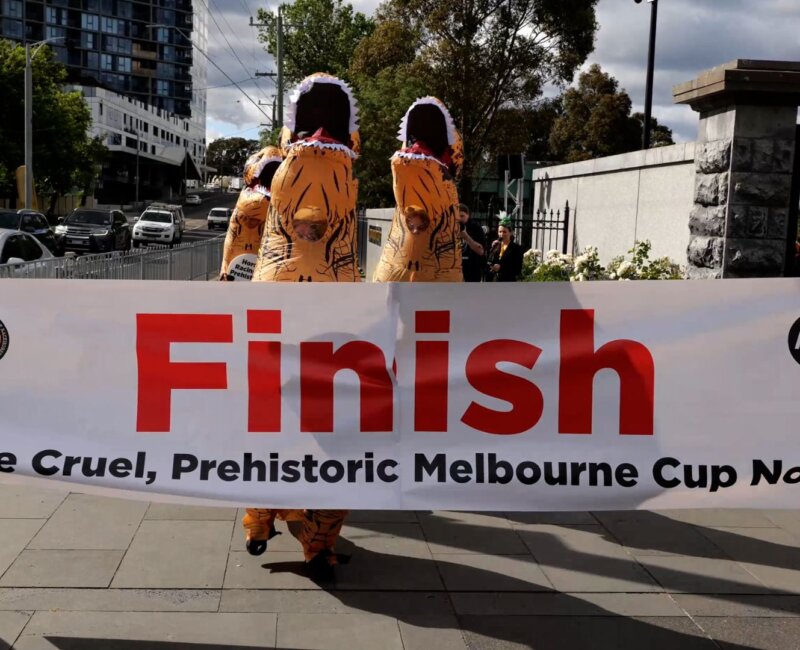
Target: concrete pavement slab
<point>61,630</point>
<point>406,539</point>
<point>770,554</point>
<point>338,632</point>
<point>468,532</point>
<point>14,537</point>
<point>597,633</point>
<point>558,518</point>
<point>383,516</point>
<point>11,624</point>
<point>647,533</point>
<point>702,575</point>
<point>62,569</point>
<point>273,570</point>
<point>473,572</point>
<point>788,520</point>
<point>753,633</point>
<point>582,558</point>
<point>562,604</point>
<point>86,522</point>
<point>739,606</point>
<point>177,555</point>
<point>27,502</point>
<point>721,517</point>
<point>175,512</point>
<point>426,631</point>
<point>110,600</point>
<point>398,604</point>
<point>369,570</point>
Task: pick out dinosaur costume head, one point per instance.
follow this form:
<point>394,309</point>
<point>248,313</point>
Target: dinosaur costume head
<point>424,243</point>
<point>311,227</point>
<point>246,227</point>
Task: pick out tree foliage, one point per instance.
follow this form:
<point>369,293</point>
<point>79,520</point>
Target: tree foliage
<point>484,58</point>
<point>596,120</point>
<point>64,156</point>
<point>319,36</point>
<point>228,155</point>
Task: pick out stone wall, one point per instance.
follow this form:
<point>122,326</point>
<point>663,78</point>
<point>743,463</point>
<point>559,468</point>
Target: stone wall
<point>739,221</point>
<point>618,200</point>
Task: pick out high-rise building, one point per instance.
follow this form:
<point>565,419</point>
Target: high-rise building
<point>142,69</point>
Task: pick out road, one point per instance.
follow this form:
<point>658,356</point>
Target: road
<point>197,215</point>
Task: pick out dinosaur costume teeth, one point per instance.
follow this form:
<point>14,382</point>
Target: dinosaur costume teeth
<point>424,243</point>
<point>310,236</point>
<point>246,227</point>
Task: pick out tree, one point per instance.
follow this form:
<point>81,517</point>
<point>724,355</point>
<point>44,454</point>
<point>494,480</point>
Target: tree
<point>228,155</point>
<point>318,36</point>
<point>484,57</point>
<point>384,100</point>
<point>64,156</point>
<point>660,135</point>
<point>596,120</point>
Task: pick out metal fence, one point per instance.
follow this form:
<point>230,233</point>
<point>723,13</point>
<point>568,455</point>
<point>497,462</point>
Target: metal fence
<point>195,261</point>
<point>547,230</point>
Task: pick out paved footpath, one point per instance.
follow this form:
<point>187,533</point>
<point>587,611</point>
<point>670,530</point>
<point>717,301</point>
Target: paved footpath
<point>81,572</point>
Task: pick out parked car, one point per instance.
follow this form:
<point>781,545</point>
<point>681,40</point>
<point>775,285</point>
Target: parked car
<point>157,226</point>
<point>175,209</point>
<point>17,247</point>
<point>91,230</point>
<point>219,218</point>
<point>33,223</point>
<point>193,199</point>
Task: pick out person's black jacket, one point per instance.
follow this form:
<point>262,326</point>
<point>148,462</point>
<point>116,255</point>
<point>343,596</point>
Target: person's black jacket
<point>510,263</point>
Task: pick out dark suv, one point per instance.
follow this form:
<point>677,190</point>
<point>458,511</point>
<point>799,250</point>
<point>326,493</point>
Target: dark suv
<point>89,230</point>
<point>35,224</point>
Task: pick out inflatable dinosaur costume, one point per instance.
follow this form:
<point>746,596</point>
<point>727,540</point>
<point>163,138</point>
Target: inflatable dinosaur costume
<point>310,236</point>
<point>246,227</point>
<point>424,240</point>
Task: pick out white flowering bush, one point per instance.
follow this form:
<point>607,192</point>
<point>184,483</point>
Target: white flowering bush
<point>558,267</point>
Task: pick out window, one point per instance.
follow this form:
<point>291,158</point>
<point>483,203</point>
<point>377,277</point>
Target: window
<point>12,28</point>
<point>90,22</point>
<point>55,32</point>
<point>30,249</point>
<point>92,60</point>
<point>110,25</point>
<point>88,41</point>
<point>28,223</point>
<point>106,62</point>
<point>123,64</point>
<point>12,8</point>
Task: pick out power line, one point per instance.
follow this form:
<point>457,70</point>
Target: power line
<point>214,63</point>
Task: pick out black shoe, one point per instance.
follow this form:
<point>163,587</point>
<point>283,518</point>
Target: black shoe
<point>259,546</point>
<point>320,568</point>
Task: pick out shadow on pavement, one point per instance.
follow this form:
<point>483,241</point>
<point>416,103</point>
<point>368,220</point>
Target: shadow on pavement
<point>589,627</point>
<point>72,643</point>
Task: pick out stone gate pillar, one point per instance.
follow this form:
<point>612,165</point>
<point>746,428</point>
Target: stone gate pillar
<point>744,162</point>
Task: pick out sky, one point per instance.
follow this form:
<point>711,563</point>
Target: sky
<point>693,35</point>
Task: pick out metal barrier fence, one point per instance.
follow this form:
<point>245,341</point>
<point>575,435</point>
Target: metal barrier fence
<point>195,261</point>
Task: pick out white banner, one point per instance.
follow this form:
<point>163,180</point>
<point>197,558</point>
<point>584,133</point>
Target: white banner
<point>526,397</point>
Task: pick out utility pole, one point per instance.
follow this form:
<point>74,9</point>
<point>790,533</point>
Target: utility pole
<point>138,150</point>
<point>279,55</point>
<point>651,59</point>
<point>28,129</point>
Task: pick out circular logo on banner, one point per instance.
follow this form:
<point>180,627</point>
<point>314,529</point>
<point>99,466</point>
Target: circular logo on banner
<point>794,340</point>
<point>4,339</point>
<point>242,268</point>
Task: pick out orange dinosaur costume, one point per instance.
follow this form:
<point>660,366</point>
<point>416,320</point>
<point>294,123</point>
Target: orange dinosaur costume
<point>424,243</point>
<point>246,227</point>
<point>310,236</point>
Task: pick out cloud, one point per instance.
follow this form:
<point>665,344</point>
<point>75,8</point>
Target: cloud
<point>693,35</point>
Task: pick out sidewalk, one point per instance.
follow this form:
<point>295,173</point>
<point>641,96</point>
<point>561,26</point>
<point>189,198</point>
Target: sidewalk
<point>84,572</point>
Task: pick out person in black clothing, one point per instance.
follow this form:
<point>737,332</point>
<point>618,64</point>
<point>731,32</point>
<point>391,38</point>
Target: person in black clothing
<point>505,257</point>
<point>472,246</point>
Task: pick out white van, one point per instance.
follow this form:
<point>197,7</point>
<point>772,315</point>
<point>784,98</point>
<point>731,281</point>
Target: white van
<point>157,226</point>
